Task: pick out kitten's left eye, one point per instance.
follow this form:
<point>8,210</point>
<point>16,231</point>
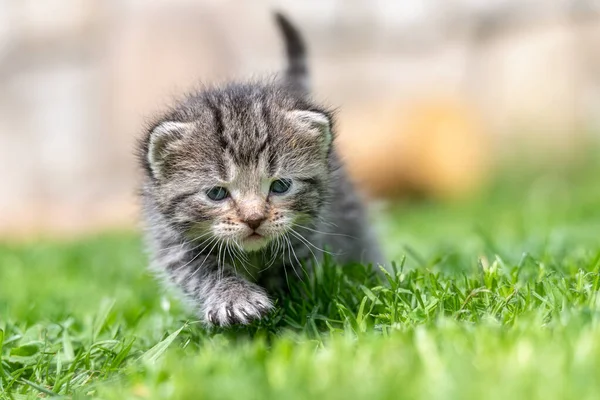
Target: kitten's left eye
<point>217,193</point>
<point>280,186</point>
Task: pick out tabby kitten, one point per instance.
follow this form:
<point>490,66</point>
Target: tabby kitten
<point>244,173</point>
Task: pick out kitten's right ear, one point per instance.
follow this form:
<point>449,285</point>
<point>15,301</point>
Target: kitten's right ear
<point>162,139</point>
<point>316,124</point>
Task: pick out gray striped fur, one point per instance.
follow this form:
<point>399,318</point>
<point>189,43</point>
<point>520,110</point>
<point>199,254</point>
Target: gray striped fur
<point>243,136</point>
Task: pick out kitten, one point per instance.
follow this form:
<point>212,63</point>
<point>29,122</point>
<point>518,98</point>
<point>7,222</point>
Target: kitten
<point>247,172</point>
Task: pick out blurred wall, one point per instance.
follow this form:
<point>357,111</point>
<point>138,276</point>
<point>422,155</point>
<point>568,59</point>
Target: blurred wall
<point>78,78</point>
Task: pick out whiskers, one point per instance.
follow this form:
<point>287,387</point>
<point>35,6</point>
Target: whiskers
<point>309,244</point>
<point>214,242</point>
<point>237,254</point>
<point>275,248</point>
<point>229,254</point>
<point>321,232</point>
<point>184,243</point>
<point>291,252</point>
<point>282,248</point>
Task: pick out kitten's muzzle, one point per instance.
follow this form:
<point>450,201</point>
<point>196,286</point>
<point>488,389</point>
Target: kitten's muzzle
<point>254,221</point>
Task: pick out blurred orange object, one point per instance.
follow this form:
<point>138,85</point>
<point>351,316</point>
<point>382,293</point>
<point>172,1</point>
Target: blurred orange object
<point>434,148</point>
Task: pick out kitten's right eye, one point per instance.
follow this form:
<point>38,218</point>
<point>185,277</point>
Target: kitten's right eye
<point>217,193</point>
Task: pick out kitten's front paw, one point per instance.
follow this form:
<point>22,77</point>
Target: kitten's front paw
<point>238,303</point>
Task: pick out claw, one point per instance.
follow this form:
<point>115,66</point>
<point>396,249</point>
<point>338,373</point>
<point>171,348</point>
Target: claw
<point>212,317</point>
<point>262,307</point>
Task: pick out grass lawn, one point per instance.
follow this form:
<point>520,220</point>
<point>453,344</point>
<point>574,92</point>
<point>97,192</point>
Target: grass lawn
<point>494,298</point>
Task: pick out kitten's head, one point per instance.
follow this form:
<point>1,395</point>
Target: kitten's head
<point>244,165</point>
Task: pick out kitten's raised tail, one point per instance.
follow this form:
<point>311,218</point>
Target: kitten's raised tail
<point>297,76</point>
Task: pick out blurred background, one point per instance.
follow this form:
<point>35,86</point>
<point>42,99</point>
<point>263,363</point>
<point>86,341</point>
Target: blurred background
<point>433,96</point>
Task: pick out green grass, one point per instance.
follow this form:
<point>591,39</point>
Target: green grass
<point>492,298</point>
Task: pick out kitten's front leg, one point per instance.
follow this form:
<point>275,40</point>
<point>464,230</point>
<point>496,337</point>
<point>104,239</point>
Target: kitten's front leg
<point>223,297</point>
<point>234,300</point>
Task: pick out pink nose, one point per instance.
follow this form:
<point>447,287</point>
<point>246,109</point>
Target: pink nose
<point>254,221</point>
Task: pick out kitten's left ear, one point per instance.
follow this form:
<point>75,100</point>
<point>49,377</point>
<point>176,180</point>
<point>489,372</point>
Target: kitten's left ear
<point>314,123</point>
<point>162,139</point>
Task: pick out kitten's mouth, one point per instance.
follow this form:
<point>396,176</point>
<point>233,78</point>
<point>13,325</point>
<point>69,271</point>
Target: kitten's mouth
<point>254,242</point>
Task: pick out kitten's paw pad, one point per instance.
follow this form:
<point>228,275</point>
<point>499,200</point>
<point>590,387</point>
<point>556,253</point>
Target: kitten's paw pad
<point>238,307</point>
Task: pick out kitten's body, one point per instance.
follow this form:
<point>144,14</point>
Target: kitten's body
<point>247,142</point>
